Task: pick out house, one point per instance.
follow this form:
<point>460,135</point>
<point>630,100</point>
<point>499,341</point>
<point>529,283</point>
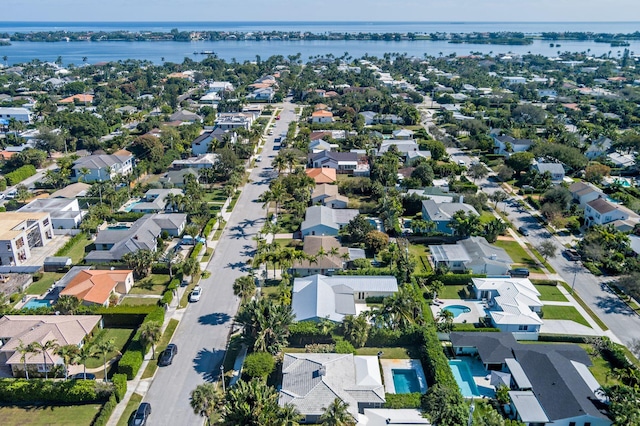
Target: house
<point>96,287</point>
<point>322,116</point>
<point>506,145</point>
<point>514,304</point>
<point>441,213</point>
<point>343,162</point>
<point>600,212</point>
<point>583,192</point>
<point>202,144</point>
<point>234,120</point>
<point>514,80</point>
<point>555,170</point>
<point>20,232</point>
<point>127,109</point>
<point>202,161</point>
<point>312,381</point>
<point>220,86</point>
<point>322,175</point>
<point>412,157</point>
<point>622,161</point>
<point>371,117</point>
<point>82,98</point>
<point>112,244</point>
<point>321,220</point>
<point>65,213</point>
<point>56,263</point>
<point>329,256</point>
<point>102,167</point>
<point>336,202</point>
<point>154,201</point>
<point>28,329</point>
<point>403,134</point>
<point>318,145</point>
<point>185,116</point>
<point>473,254</point>
<point>387,416</point>
<point>598,148</point>
<point>73,190</point>
<point>402,145</point>
<point>18,114</point>
<point>323,191</point>
<point>262,94</point>
<point>550,384</point>
<point>177,178</point>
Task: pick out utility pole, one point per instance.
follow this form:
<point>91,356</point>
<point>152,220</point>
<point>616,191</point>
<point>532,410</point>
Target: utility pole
<point>222,377</point>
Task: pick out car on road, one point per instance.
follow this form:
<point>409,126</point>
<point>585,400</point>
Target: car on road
<point>258,158</point>
<point>461,163</point>
<point>12,194</point>
<point>572,254</point>
<point>83,376</point>
<point>270,132</point>
<point>195,294</point>
<point>166,357</point>
<point>278,118</point>
<point>141,415</point>
<point>524,231</point>
<point>519,273</point>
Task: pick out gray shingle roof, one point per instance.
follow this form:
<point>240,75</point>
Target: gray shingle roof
<point>321,215</point>
<point>99,161</point>
<point>445,211</point>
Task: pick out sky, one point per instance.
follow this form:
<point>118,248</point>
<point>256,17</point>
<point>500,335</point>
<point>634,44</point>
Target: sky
<point>325,10</point>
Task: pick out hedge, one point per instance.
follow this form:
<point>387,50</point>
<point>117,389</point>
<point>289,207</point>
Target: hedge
<point>105,412</point>
<point>435,362</point>
<point>167,298</point>
<point>20,174</point>
<point>402,400</point>
<point>259,364</point>
<point>450,279</point>
<point>196,250</point>
<point>565,338</point>
<point>124,315</point>
<point>208,228</point>
<point>132,358</point>
<point>62,251</point>
<point>119,386</point>
<point>49,391</point>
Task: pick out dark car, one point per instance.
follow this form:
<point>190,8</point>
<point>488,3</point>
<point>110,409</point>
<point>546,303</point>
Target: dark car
<point>519,272</point>
<point>524,231</point>
<point>572,255</point>
<point>166,357</point>
<point>83,376</point>
<point>141,415</point>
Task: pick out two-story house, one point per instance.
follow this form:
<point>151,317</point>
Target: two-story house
<point>101,168</point>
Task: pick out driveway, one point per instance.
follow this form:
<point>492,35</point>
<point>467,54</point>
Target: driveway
<point>202,334</point>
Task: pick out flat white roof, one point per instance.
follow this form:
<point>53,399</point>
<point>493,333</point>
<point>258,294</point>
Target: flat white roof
<point>528,407</point>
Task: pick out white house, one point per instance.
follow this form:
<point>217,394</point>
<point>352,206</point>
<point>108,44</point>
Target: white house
<point>473,254</point>
<point>505,145</point>
<point>322,116</point>
<point>584,192</point>
<point>514,80</point>
<point>340,161</point>
<point>598,148</point>
<point>202,161</point>
<point>321,220</point>
<point>600,212</point>
<point>20,232</point>
<point>234,120</point>
<point>65,212</point>
<point>102,168</point>
<point>18,114</point>
<point>556,170</point>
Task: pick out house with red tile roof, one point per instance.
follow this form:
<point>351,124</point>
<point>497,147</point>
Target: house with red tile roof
<point>95,287</point>
<point>322,116</point>
<point>82,98</point>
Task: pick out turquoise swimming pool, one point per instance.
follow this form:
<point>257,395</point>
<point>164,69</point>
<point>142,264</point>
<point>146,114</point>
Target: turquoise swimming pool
<point>38,303</point>
<point>132,205</point>
<point>405,381</point>
<point>457,309</point>
<point>463,377</point>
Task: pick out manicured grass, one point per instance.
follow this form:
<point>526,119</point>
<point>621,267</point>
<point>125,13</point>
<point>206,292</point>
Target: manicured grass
<point>550,293</point>
<point>153,284</point>
<point>120,337</point>
<point>586,307</point>
<point>207,255</point>
<point>518,255</point>
<point>389,353</point>
<point>421,254</point>
<point>132,406</point>
<point>454,292</point>
<point>78,251</point>
<point>270,292</point>
<point>152,366</point>
<point>541,259</point>
<point>42,285</point>
<point>563,313</point>
<point>600,368</point>
<point>138,301</point>
<point>486,217</point>
<point>288,223</point>
<point>47,415</point>
<point>215,195</point>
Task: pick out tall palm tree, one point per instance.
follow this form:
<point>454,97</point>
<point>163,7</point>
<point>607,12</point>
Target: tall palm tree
<point>68,353</point>
<point>151,332</point>
<point>104,348</point>
<point>337,414</point>
<point>85,353</point>
<point>25,350</point>
<point>43,348</point>
<point>204,400</point>
<point>244,287</point>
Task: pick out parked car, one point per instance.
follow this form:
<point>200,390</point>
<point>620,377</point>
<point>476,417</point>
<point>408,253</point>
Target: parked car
<point>278,118</point>
<point>572,255</point>
<point>519,273</point>
<point>195,294</point>
<point>258,158</point>
<point>524,231</point>
<point>83,376</point>
<point>141,415</point>
<point>12,194</point>
<point>166,357</point>
<point>461,163</point>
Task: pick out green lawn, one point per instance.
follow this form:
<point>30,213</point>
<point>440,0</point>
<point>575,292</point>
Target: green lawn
<point>79,250</point>
<point>390,353</point>
<point>586,307</point>
<point>518,255</point>
<point>137,301</point>
<point>215,195</point>
<point>288,223</point>
<point>421,254</point>
<point>153,284</point>
<point>132,406</point>
<point>486,217</point>
<point>563,313</point>
<point>120,337</point>
<point>541,259</point>
<point>42,285</point>
<point>550,293</point>
<point>207,255</point>
<point>454,292</point>
<point>47,415</point>
<point>152,366</point>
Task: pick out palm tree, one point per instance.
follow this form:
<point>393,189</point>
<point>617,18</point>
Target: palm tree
<point>151,332</point>
<point>84,171</point>
<point>172,258</point>
<point>68,353</point>
<point>191,267</point>
<point>244,287</point>
<point>84,354</point>
<point>255,403</point>
<point>356,329</point>
<point>25,350</point>
<point>204,400</point>
<point>337,414</point>
<point>266,324</point>
<point>43,348</point>
<point>103,348</point>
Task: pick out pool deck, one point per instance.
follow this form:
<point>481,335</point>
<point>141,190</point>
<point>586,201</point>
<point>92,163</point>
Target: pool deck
<point>471,317</point>
<point>401,364</point>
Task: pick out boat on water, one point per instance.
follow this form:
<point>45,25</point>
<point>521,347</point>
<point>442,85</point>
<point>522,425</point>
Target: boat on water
<point>205,52</point>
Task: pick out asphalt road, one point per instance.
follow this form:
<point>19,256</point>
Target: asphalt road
<point>621,320</point>
<point>202,334</point>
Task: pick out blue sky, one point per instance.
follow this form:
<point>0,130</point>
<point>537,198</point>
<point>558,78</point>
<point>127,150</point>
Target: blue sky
<point>326,10</point>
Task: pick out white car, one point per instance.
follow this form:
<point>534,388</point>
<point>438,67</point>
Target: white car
<point>195,294</point>
<point>258,158</point>
<point>12,194</point>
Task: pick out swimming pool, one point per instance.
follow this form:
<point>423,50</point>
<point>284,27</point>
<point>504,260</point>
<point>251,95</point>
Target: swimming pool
<point>38,303</point>
<point>118,227</point>
<point>464,378</point>
<point>457,309</point>
<point>405,381</point>
<point>132,205</point>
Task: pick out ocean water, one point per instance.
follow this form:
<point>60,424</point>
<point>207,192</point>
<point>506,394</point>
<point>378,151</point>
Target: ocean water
<point>242,50</point>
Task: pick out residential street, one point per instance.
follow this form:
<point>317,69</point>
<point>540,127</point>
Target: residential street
<point>202,334</point>
<point>621,320</point>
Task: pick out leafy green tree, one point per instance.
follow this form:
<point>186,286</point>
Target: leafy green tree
<point>357,229</point>
<point>493,228</point>
<point>376,241</point>
<point>444,322</point>
<point>547,249</point>
<point>85,353</point>
<point>477,171</point>
<point>43,348</point>
<point>150,333</point>
<point>258,365</point>
<point>266,324</point>
<point>140,262</point>
<point>104,348</point>
<point>244,287</point>
<point>191,267</point>
<point>504,172</point>
<point>424,174</point>
<point>337,414</point>
<point>445,406</point>
<point>498,197</point>
<point>148,147</point>
<point>356,329</point>
<point>68,353</point>
<point>520,162</point>
<point>254,403</point>
<point>25,351</point>
<point>465,224</point>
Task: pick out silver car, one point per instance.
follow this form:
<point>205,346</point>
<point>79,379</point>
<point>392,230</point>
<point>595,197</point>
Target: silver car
<point>195,294</point>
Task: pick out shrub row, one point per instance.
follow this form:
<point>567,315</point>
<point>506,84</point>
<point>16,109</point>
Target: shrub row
<point>105,412</point>
<point>449,279</point>
<point>208,228</point>
<point>124,315</point>
<point>402,400</point>
<point>544,282</point>
<point>132,358</point>
<point>196,250</point>
<point>167,296</point>
<point>435,361</point>
<point>367,271</point>
<point>565,338</point>
<point>49,391</point>
<point>62,251</point>
<point>20,174</point>
<point>119,386</point>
